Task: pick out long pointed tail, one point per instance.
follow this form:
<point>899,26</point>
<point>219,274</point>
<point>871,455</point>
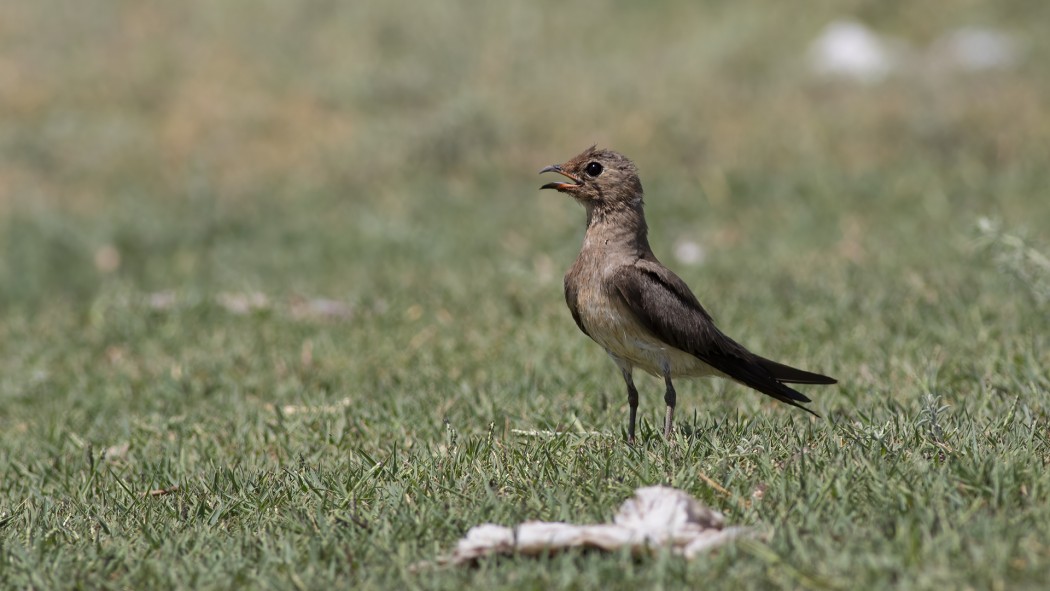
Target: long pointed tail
<point>792,375</point>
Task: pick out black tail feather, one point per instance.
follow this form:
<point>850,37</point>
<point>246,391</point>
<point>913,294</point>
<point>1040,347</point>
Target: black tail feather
<point>790,396</point>
<point>791,375</point>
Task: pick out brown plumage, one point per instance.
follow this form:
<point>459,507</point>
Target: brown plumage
<point>643,314</point>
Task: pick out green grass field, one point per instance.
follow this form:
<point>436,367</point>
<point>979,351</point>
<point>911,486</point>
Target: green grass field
<point>278,294</point>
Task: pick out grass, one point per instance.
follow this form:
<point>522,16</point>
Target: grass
<point>286,268</point>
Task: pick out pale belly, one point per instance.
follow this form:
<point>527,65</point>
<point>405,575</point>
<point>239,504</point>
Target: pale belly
<point>613,327</point>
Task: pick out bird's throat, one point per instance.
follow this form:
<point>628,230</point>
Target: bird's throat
<point>619,227</point>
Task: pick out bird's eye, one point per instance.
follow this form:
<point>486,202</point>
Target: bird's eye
<point>593,169</point>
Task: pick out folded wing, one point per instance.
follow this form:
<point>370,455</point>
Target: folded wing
<point>663,303</point>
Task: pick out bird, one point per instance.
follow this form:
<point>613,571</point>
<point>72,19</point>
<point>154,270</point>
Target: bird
<point>643,315</point>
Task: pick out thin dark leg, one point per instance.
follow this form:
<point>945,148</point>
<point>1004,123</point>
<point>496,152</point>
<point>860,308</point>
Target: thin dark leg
<point>632,402</point>
<point>670,399</point>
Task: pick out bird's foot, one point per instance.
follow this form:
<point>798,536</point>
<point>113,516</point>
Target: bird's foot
<point>669,422</point>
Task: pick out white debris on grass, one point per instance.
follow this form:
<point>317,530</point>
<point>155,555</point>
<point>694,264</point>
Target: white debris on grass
<point>550,433</point>
<point>689,252</point>
<point>848,49</point>
<point>656,517</point>
<point>292,409</point>
<point>323,308</point>
<point>243,303</point>
<point>974,49</point>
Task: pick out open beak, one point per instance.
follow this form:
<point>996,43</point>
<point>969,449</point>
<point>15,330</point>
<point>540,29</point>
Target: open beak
<point>563,187</point>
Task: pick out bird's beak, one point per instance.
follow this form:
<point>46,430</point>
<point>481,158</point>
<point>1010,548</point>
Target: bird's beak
<point>563,187</point>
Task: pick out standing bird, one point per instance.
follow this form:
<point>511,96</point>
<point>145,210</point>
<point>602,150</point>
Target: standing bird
<point>641,313</point>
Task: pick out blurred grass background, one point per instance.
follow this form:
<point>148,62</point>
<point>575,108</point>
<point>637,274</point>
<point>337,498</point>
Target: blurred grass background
<point>174,134</point>
<point>210,212</point>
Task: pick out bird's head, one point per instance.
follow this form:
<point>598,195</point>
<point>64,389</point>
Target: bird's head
<point>598,177</point>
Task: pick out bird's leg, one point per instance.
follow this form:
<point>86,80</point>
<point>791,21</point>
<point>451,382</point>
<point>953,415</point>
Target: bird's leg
<point>632,402</point>
<point>669,399</point>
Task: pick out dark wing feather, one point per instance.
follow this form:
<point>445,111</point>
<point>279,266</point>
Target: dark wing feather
<point>570,299</point>
<point>663,303</point>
